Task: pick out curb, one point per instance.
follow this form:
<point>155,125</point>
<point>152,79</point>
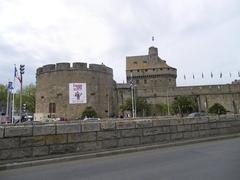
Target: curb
<point>112,152</point>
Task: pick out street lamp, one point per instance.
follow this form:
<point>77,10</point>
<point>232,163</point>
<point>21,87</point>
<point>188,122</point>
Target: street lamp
<point>132,92</point>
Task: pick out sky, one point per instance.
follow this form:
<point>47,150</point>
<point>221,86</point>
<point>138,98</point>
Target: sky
<point>196,37</point>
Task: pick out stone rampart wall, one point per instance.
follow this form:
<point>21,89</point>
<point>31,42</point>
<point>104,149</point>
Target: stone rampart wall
<point>28,141</point>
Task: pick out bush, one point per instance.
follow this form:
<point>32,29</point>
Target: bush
<point>217,109</point>
<point>89,112</point>
<point>184,105</point>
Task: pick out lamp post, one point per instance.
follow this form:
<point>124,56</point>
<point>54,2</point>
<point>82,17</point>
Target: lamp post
<point>22,68</point>
<point>133,109</point>
<point>133,102</point>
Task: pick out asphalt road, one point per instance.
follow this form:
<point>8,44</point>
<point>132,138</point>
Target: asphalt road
<point>208,161</point>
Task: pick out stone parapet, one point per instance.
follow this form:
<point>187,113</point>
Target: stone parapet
<point>30,141</point>
<point>75,66</point>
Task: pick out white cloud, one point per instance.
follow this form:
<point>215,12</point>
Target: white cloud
<point>193,36</point>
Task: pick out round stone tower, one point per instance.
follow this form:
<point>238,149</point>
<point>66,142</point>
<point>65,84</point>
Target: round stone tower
<point>65,91</point>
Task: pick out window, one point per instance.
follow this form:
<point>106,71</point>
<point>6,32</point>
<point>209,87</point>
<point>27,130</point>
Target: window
<point>138,70</point>
<point>137,81</point>
<point>52,107</point>
<point>135,62</point>
<point>145,81</point>
<point>146,70</point>
<point>59,94</point>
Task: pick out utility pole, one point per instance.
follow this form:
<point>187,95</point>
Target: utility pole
<point>135,102</point>
<point>22,68</point>
<point>132,90</point>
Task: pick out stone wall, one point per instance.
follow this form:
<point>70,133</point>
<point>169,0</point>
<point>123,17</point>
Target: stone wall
<point>228,95</point>
<point>27,141</point>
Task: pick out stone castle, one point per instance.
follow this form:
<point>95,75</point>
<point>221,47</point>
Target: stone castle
<point>153,80</point>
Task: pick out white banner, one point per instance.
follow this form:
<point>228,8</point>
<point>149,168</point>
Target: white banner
<point>77,93</point>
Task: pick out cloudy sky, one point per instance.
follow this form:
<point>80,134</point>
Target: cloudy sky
<point>192,36</point>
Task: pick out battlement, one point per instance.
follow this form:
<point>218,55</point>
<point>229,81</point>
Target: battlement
<point>63,66</point>
<point>100,67</point>
<point>208,89</point>
<point>79,65</point>
<point>75,66</point>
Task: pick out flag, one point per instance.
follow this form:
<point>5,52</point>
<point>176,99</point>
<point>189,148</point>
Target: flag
<point>202,76</point>
<point>16,75</point>
<point>193,76</point>
<point>184,77</point>
<point>220,74</point>
<point>238,73</point>
<point>152,38</point>
<point>211,75</point>
<point>230,74</point>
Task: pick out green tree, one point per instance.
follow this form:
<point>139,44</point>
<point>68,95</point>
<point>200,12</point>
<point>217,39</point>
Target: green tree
<point>184,105</point>
<point>3,98</point>
<point>143,108</point>
<point>127,105</point>
<point>89,112</point>
<point>160,109</point>
<point>217,109</point>
<point>28,98</point>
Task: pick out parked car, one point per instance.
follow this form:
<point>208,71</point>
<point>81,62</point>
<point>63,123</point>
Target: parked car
<point>27,117</point>
<point>91,119</point>
<point>197,114</point>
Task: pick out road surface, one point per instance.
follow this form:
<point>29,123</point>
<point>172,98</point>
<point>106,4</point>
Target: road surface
<point>218,160</point>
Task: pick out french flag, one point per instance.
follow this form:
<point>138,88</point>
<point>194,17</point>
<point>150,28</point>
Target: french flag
<point>16,75</point>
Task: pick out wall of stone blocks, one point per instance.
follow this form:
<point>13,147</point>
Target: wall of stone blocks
<point>39,141</point>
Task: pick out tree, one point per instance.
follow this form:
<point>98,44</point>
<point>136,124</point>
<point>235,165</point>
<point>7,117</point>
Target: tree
<point>143,108</point>
<point>217,109</point>
<point>159,109</point>
<point>3,98</point>
<point>28,98</point>
<point>184,105</point>
<point>89,112</point>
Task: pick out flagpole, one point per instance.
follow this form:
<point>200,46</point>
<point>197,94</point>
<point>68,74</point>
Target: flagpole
<point>13,94</point>
<point>7,102</point>
<point>13,106</point>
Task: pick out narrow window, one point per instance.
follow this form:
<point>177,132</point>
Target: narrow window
<point>52,107</point>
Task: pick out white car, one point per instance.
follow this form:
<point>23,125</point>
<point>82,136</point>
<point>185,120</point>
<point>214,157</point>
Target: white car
<point>91,120</point>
